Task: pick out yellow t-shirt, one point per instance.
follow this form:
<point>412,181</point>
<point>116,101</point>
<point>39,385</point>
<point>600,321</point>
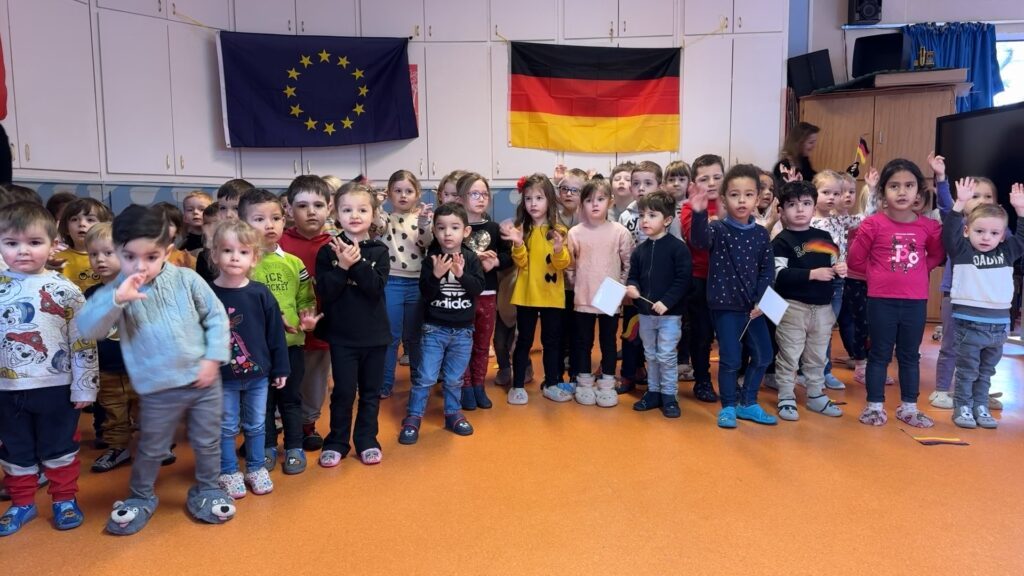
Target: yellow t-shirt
<point>541,281</point>
<point>77,268</point>
<point>181,259</point>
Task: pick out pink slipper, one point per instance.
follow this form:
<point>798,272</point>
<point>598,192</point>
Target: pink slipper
<point>330,458</point>
<point>371,456</point>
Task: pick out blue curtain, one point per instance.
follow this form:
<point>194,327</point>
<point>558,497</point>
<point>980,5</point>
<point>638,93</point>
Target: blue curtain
<point>970,45</point>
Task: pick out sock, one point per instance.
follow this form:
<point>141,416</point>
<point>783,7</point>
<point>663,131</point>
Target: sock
<point>909,407</point>
<point>875,406</point>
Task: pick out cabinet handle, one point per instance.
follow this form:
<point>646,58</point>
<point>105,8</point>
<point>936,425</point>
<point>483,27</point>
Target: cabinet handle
<point>416,31</point>
<point>881,136</point>
<point>433,168</point>
<point>623,26</point>
<point>421,166</point>
<point>289,24</point>
<point>174,8</point>
<point>302,26</point>
<point>295,166</point>
<point>430,30</point>
<point>497,167</point>
<point>167,161</point>
<point>159,6</point>
<point>28,153</point>
<point>309,166</point>
<point>181,161</point>
<point>611,28</point>
<point>739,21</point>
<point>725,23</point>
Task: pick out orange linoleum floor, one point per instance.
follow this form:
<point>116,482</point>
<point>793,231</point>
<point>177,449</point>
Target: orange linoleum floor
<point>566,489</point>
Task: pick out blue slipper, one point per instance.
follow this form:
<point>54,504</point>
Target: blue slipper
<point>755,413</point>
<point>131,515</point>
<point>727,417</point>
<point>16,517</point>
<point>67,515</point>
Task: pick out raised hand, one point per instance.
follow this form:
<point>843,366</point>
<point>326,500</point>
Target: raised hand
<point>790,174</point>
<point>559,172</point>
<point>557,241</point>
<point>488,259</point>
<point>308,319</point>
<point>965,190</point>
<point>511,233</point>
<point>442,264</point>
<point>698,198</point>
<point>458,265</point>
<point>1017,197</point>
<point>872,179</point>
<point>425,215</point>
<point>128,291</point>
<point>938,165</point>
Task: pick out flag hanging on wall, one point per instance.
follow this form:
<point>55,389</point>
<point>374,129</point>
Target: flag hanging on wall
<point>290,91</point>
<point>589,99</point>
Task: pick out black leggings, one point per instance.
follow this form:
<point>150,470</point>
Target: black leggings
<point>550,340</point>
<point>607,333</point>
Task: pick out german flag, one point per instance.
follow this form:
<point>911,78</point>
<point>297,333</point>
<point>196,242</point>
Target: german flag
<point>588,99</point>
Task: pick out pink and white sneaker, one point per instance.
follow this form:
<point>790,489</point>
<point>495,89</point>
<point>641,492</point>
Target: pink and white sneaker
<point>259,482</point>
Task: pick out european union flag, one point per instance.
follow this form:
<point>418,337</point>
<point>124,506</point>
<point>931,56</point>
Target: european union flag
<point>290,91</point>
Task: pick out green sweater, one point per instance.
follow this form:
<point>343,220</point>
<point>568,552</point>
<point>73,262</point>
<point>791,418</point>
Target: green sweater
<point>289,282</point>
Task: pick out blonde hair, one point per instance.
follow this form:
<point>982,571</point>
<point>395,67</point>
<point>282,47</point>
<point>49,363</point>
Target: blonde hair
<point>333,182</point>
<point>242,231</point>
<point>821,179</point>
<point>100,231</point>
<point>196,194</point>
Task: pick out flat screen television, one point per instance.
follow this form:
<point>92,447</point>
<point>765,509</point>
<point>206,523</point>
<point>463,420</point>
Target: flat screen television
<point>984,143</point>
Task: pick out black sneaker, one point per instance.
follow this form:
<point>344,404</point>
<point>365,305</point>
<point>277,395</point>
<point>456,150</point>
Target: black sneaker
<point>649,401</point>
<point>111,459</point>
<point>705,392</point>
<point>670,406</point>
<point>410,433</point>
<point>312,442</point>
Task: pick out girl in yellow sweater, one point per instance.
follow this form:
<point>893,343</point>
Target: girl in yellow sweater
<point>78,217</point>
<point>539,252</point>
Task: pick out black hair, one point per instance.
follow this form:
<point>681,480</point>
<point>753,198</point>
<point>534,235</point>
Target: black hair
<point>743,171</point>
<point>658,202</point>
<point>899,165</point>
<point>308,183</point>
<point>257,196</point>
<point>452,209</point>
<point>796,190</point>
<point>174,217</point>
<point>233,189</point>
<point>58,201</point>
<point>137,221</point>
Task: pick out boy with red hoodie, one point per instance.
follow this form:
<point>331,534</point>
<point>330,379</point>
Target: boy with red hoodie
<point>309,199</point>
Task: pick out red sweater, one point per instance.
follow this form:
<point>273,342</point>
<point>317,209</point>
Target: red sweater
<point>306,249</point>
<point>698,255</point>
<point>896,257</point>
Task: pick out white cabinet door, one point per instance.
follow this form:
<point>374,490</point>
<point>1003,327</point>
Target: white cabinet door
<point>394,18</point>
<point>760,16</point>
<point>524,20</point>
<point>135,68</point>
<point>590,18</point>
<point>195,94</point>
<point>456,20</point>
<point>9,123</point>
<point>144,7</point>
<point>383,158</point>
<point>271,163</point>
<point>54,86</point>
<point>646,18</point>
<point>707,95</point>
<point>757,100</point>
<point>459,115</point>
<point>345,162</point>
<point>706,16</point>
<point>510,163</point>
<point>212,13</point>
<point>266,16</point>
<point>327,17</point>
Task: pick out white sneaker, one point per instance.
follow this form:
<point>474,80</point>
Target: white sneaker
<point>233,484</point>
<point>518,396</point>
<point>940,399</point>
<point>584,392</point>
<point>606,395</point>
<point>259,482</point>
<point>557,394</point>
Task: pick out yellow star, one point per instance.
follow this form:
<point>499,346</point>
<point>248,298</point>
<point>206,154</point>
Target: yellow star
<point>296,111</point>
<point>289,91</point>
<point>310,124</point>
<point>359,110</point>
<point>293,74</point>
<point>324,55</point>
<point>358,73</point>
<point>305,61</point>
<point>363,90</point>
<point>346,123</point>
<point>329,128</point>
<point>343,61</point>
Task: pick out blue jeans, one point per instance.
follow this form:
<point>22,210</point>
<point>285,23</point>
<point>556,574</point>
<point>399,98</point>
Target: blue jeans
<point>837,306</point>
<point>245,404</point>
<point>405,312</point>
<point>979,348</point>
<point>899,323</point>
<point>660,335</point>
<point>729,325</point>
<point>445,351</point>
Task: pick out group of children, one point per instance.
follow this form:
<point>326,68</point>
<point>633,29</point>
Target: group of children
<point>322,280</point>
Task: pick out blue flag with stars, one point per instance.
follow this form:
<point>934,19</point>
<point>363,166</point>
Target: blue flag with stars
<point>290,91</point>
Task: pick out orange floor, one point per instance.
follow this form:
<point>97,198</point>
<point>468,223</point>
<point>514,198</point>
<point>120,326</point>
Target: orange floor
<point>566,489</point>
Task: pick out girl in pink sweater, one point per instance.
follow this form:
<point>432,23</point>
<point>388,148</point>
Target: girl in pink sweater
<point>895,249</point>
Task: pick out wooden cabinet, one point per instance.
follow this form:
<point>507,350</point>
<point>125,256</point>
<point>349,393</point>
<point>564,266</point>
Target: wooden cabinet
<point>54,87</point>
<point>524,20</point>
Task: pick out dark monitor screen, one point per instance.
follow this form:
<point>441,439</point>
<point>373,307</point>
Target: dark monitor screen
<point>880,52</point>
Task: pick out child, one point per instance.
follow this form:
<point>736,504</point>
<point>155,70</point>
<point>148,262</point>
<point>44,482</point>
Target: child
<point>829,186</point>
<point>56,204</point>
<point>116,396</point>
<point>707,172</point>
<point>740,271</point>
<point>193,206</point>
<point>76,219</point>
<point>448,187</point>
<point>569,197</point>
<point>981,294</point>
<point>767,212</point>
<point>161,307</point>
<point>451,278</point>
<point>211,215</point>
<point>677,180</point>
<point>176,220</point>
<point>659,272</point>
<point>287,207</point>
<point>47,371</point>
<point>622,193</point>
<point>310,199</point>
<point>351,274</point>
<point>895,249</point>
<point>259,356</point>
<point>406,232</point>
<point>540,254</point>
<point>600,249</point>
<point>228,195</point>
<point>286,277</point>
<point>569,187</point>
<point>806,262</point>
<point>495,255</point>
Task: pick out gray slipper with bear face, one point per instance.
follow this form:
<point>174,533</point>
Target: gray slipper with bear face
<point>131,515</point>
<point>210,506</point>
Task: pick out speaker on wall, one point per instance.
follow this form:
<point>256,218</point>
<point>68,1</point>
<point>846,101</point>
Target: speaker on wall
<point>865,12</point>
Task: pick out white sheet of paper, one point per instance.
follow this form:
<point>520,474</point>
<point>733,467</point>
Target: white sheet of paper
<point>609,296</point>
<point>773,305</point>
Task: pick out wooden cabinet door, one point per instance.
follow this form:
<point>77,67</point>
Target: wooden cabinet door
<point>843,121</point>
<point>905,125</point>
